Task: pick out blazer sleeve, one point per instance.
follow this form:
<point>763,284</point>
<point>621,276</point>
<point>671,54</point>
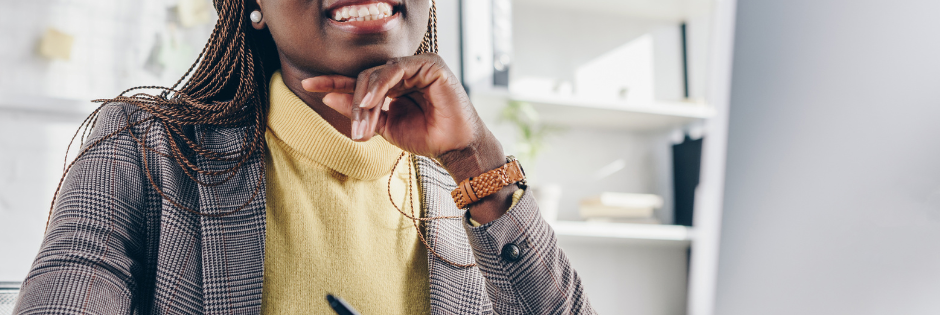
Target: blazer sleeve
<point>525,271</point>
<point>92,246</point>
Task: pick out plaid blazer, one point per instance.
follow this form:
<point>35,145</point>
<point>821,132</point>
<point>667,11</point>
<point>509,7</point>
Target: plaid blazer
<point>115,246</point>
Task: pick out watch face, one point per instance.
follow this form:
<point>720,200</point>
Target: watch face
<point>522,183</point>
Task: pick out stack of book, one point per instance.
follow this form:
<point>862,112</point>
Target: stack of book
<point>621,207</point>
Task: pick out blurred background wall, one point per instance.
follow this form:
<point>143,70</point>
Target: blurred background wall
<point>832,195</point>
<point>57,56</point>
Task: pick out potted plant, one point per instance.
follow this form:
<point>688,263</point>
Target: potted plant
<point>530,142</point>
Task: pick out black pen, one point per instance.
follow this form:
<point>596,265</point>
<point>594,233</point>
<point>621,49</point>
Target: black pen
<point>340,306</point>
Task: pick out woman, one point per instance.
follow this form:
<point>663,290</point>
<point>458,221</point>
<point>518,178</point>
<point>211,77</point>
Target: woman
<point>274,175</point>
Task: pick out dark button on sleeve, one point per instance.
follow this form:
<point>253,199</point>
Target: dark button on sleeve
<point>511,252</point>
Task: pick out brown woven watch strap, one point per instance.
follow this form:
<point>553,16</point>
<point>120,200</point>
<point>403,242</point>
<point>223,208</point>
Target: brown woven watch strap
<point>475,188</point>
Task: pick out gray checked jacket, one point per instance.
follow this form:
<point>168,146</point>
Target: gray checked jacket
<point>115,246</point>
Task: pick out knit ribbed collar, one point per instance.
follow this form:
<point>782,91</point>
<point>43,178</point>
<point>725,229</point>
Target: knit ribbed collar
<point>309,135</point>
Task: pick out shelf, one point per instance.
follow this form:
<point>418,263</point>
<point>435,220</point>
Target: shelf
<point>603,232</point>
<point>9,285</point>
<point>573,112</point>
<point>46,105</point>
<point>673,10</point>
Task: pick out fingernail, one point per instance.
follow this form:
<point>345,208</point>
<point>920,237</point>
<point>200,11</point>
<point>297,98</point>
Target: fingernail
<point>354,130</point>
<point>366,100</point>
<point>354,133</point>
<point>365,128</point>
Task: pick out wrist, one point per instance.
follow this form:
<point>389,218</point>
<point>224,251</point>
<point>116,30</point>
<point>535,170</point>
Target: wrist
<point>477,158</point>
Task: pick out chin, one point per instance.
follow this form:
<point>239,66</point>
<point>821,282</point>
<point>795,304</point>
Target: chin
<point>358,61</point>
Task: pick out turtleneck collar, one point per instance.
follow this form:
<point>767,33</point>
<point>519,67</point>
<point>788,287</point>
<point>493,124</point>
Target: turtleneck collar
<point>304,131</point>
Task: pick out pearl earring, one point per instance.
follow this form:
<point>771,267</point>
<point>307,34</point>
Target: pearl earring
<point>255,16</point>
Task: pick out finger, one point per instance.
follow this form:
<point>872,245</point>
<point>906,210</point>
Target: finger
<point>368,122</point>
<point>381,123</point>
<point>361,94</point>
<point>388,101</point>
<point>360,116</point>
<point>394,109</point>
<point>355,132</point>
<point>329,83</point>
<point>396,78</point>
<point>372,120</point>
<point>378,83</point>
<point>400,76</point>
<point>340,102</point>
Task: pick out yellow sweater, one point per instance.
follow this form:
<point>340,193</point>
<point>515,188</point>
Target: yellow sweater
<point>330,225</point>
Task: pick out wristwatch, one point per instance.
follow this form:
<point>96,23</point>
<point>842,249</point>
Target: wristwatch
<point>473,189</point>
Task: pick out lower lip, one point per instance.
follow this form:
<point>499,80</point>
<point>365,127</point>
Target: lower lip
<point>368,27</point>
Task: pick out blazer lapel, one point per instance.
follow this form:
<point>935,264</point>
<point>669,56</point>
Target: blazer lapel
<point>454,290</point>
<point>232,244</point>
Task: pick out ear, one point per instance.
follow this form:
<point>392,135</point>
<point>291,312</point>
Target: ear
<point>260,25</point>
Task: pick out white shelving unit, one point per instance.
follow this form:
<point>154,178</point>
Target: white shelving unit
<point>574,112</point>
<point>623,233</point>
<point>56,107</point>
<point>561,54</point>
<point>661,9</point>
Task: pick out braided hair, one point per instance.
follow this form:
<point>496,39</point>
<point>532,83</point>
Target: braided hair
<point>227,86</point>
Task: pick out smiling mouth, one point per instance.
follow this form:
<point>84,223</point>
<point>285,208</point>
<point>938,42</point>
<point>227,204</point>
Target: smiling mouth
<point>366,12</point>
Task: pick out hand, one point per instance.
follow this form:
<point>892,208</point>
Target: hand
<point>417,104</point>
<point>426,111</point>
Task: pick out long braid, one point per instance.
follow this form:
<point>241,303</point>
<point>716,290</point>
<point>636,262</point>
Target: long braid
<point>428,45</point>
<point>225,87</point>
<point>429,42</point>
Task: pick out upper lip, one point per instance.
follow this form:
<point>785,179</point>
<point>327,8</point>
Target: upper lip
<point>342,3</point>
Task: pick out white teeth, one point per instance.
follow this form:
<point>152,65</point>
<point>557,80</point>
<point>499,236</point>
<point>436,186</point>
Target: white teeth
<point>370,12</point>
